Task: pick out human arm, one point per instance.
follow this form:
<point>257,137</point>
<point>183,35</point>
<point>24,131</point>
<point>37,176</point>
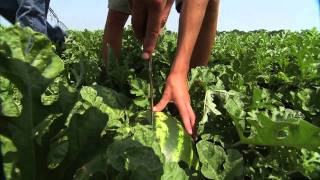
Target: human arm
<point>197,28</point>
<point>202,50</point>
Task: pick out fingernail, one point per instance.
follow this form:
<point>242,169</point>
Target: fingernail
<point>145,56</point>
<point>195,137</point>
<point>189,131</point>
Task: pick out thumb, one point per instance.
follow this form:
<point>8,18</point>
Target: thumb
<point>162,103</point>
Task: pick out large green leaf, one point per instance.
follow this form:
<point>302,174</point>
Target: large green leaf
<point>10,98</point>
<point>106,100</point>
<point>98,164</point>
<point>28,61</point>
<point>173,171</point>
<point>283,129</point>
<point>218,164</point>
<point>272,126</point>
<point>133,160</point>
<point>139,88</point>
<point>275,126</point>
<point>79,144</point>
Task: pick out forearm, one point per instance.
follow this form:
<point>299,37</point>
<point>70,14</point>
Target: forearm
<point>191,19</point>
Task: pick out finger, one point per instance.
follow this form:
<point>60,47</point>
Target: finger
<point>166,12</point>
<point>139,19</point>
<point>191,115</point>
<point>183,110</point>
<point>162,103</point>
<point>153,28</point>
<point>193,122</point>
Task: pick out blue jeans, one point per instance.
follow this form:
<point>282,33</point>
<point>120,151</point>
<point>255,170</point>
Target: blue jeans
<point>31,13</point>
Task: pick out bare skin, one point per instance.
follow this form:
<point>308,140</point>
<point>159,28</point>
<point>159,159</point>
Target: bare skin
<point>113,33</point>
<point>148,18</point>
<point>206,37</point>
<point>197,29</point>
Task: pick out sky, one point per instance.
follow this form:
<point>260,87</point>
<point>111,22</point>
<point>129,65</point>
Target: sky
<point>243,15</point>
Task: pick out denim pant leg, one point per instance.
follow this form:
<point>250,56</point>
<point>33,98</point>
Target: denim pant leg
<point>33,13</point>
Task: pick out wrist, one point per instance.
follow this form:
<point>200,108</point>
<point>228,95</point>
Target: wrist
<point>180,65</point>
<point>179,71</point>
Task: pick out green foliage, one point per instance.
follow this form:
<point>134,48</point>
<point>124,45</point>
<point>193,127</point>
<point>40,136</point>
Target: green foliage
<point>28,61</point>
<point>257,109</point>
<point>10,98</point>
<point>218,164</point>
<point>81,55</point>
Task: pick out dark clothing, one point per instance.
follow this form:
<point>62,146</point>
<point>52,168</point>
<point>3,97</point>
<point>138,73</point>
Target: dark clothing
<point>31,13</point>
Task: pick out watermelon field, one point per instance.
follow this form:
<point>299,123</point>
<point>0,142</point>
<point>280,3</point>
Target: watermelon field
<point>64,116</point>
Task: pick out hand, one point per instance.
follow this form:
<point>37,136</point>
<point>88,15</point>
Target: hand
<point>148,18</point>
<point>176,91</point>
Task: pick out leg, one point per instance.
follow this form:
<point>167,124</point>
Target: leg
<point>47,3</point>
<point>32,13</point>
<point>202,50</point>
<point>113,33</point>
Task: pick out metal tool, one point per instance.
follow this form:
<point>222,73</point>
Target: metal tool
<point>151,91</point>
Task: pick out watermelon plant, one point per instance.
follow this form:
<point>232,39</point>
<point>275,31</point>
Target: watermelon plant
<point>65,116</point>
